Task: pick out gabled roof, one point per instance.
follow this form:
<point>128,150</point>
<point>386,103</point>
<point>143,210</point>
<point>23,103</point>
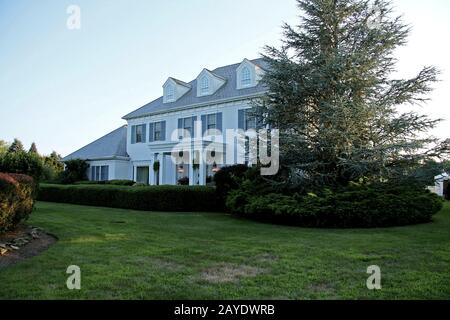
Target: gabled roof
<point>211,73</point>
<point>111,146</point>
<point>227,91</point>
<point>181,83</point>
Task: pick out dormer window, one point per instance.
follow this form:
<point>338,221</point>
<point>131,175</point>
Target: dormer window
<point>170,93</point>
<point>174,89</point>
<point>246,77</point>
<point>208,83</point>
<point>204,86</point>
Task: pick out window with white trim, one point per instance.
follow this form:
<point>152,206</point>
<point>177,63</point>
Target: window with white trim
<point>157,131</point>
<point>246,77</point>
<point>170,93</point>
<point>100,173</point>
<point>140,134</point>
<point>188,125</point>
<point>211,121</point>
<point>250,120</point>
<point>204,85</point>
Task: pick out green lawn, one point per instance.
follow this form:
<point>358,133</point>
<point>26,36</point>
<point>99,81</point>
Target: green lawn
<point>139,255</point>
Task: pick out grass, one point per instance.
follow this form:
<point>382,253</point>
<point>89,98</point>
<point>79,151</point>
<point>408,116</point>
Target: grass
<point>141,255</point>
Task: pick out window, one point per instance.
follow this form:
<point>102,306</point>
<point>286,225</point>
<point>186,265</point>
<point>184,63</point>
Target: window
<point>104,173</point>
<point>100,173</point>
<point>170,93</point>
<point>188,125</point>
<point>250,121</point>
<point>211,121</point>
<point>246,78</point>
<point>139,134</point>
<point>158,131</point>
<point>204,85</point>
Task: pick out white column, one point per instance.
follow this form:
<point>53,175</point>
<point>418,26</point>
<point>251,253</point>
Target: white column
<point>161,168</point>
<point>202,167</point>
<point>202,178</point>
<point>191,167</point>
<point>152,172</point>
<point>191,174</point>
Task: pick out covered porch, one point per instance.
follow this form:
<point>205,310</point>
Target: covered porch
<point>192,163</point>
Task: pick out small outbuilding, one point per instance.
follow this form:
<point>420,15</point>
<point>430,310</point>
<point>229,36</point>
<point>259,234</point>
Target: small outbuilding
<point>442,185</point>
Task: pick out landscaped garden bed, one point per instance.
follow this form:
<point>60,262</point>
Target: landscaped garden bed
<point>22,243</point>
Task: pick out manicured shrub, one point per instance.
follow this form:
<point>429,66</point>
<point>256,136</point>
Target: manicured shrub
<point>8,201</point>
<point>146,198</point>
<point>121,182</point>
<point>356,206</point>
<point>17,193</point>
<point>110,182</point>
<point>89,182</point>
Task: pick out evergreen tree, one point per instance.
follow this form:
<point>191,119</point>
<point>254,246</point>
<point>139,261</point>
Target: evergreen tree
<point>16,146</point>
<point>33,149</point>
<point>335,102</point>
<point>54,162</point>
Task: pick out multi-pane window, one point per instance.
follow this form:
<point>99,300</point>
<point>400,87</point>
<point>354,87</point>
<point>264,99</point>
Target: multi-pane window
<point>246,78</point>
<point>204,85</point>
<point>100,173</point>
<point>250,121</point>
<point>104,175</point>
<point>139,134</point>
<point>211,121</point>
<point>170,93</point>
<point>188,125</point>
<point>158,131</point>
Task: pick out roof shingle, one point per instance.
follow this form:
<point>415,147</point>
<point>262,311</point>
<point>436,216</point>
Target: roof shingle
<point>227,91</point>
<point>113,145</point>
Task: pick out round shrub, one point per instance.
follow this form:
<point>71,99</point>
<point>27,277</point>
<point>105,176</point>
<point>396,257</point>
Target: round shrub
<point>356,206</point>
<point>17,193</point>
<point>8,201</point>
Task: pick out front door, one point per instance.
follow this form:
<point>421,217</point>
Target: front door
<point>142,175</point>
<point>169,177</point>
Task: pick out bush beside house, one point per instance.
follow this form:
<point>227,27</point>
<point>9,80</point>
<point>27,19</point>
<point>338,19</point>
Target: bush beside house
<point>354,206</point>
<point>358,205</point>
<point>17,194</point>
<point>154,198</point>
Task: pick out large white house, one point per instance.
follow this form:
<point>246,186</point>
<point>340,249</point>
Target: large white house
<point>216,100</point>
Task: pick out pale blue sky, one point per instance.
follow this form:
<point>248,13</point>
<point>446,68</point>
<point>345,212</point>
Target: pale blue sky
<point>63,89</point>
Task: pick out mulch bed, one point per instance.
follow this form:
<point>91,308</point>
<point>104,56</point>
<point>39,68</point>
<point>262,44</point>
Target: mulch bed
<point>23,243</point>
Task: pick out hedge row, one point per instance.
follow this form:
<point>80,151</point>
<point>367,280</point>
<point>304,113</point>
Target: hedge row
<point>153,198</point>
<point>17,193</point>
<point>109,182</point>
<point>353,207</point>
